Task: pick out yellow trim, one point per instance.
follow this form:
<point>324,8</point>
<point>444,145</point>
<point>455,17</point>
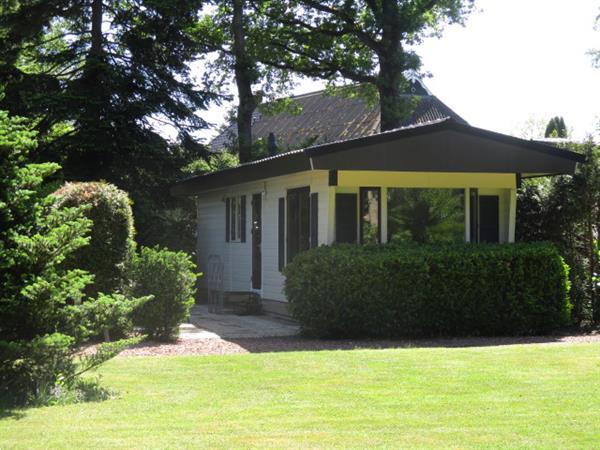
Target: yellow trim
<point>426,179</point>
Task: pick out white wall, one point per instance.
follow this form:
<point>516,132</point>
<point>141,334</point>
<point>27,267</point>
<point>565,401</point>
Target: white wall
<point>237,256</point>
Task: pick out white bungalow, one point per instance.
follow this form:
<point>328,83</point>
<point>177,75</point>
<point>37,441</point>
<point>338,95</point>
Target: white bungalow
<point>437,179</point>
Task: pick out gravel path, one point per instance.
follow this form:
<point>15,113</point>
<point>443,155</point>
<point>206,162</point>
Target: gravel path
<point>218,346</point>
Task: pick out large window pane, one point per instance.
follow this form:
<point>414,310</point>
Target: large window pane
<point>426,216</point>
<point>370,201</point>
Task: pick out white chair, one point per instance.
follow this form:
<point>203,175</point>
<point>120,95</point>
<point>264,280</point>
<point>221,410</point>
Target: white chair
<point>215,284</point>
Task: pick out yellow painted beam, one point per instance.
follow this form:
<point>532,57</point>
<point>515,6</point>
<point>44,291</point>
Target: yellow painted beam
<point>426,179</point>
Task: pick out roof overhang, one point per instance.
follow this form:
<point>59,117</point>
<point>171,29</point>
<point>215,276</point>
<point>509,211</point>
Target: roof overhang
<point>441,146</point>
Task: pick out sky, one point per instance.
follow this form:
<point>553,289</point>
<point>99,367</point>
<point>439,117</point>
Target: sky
<point>513,66</point>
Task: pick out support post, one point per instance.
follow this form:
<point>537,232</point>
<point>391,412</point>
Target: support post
<point>512,215</point>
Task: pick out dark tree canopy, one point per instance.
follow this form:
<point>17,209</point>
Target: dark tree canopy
<point>366,41</point>
<point>99,78</point>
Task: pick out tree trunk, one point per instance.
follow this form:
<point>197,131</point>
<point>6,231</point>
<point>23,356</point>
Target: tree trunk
<point>390,81</point>
<point>94,56</point>
<point>92,71</point>
<point>96,32</point>
<point>245,75</point>
<point>392,103</point>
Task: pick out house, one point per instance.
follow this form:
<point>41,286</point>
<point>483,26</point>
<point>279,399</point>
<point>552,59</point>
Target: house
<point>434,180</point>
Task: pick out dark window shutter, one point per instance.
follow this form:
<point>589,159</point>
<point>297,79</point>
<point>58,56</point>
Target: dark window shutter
<point>243,218</point>
<point>314,220</point>
<point>346,218</point>
<point>489,218</point>
<point>281,233</point>
<point>227,218</point>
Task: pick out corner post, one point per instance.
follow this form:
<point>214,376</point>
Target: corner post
<point>512,215</point>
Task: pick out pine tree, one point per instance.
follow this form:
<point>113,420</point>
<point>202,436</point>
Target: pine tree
<point>44,316</point>
<point>100,78</point>
<point>556,128</point>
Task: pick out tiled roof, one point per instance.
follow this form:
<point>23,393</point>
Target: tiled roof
<point>326,118</point>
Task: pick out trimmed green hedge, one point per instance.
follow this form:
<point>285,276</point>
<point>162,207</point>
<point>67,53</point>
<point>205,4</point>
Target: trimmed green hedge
<point>112,237</point>
<point>390,291</point>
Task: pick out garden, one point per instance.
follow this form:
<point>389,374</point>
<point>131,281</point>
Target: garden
<point>102,105</point>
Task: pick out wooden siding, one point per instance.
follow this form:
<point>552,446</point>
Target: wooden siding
<point>237,256</point>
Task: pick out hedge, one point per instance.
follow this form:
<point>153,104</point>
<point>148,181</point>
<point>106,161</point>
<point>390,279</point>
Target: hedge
<point>112,237</point>
<point>397,291</point>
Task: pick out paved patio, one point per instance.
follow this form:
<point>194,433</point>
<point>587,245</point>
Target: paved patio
<point>206,325</point>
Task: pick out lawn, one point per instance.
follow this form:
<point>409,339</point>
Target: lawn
<point>513,396</point>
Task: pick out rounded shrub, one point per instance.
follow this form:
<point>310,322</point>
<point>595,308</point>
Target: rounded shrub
<point>170,278</point>
<point>112,237</point>
<point>393,291</point>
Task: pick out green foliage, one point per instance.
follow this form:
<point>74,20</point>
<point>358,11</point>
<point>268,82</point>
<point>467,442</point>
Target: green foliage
<point>44,313</point>
<point>214,162</point>
<point>367,42</point>
<point>112,313</point>
<point>567,212</point>
<point>170,278</point>
<point>112,236</point>
<point>556,128</point>
<point>391,291</point>
<point>425,216</point>
<point>230,34</point>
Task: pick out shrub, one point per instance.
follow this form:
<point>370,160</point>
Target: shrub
<point>44,313</point>
<point>566,212</point>
<point>112,245</point>
<point>170,278</point>
<point>391,291</point>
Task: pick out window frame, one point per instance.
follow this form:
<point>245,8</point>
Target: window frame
<point>362,195</point>
<point>297,238</point>
<point>235,218</point>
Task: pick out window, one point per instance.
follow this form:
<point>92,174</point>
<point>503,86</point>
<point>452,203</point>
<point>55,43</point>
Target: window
<point>298,221</point>
<point>426,216</point>
<point>370,215</point>
<point>235,220</point>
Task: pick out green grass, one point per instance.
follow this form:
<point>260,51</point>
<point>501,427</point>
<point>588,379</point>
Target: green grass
<point>519,397</point>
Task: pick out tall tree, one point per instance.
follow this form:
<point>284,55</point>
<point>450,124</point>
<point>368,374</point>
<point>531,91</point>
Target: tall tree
<point>245,76</point>
<point>230,35</point>
<point>567,212</point>
<point>556,128</point>
<point>100,78</point>
<point>366,41</point>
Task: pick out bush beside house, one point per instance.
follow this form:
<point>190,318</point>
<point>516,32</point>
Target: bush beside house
<point>112,236</point>
<point>392,291</point>
<point>170,278</point>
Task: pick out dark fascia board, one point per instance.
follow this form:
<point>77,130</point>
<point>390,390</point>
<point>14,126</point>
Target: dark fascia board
<point>441,125</point>
<point>284,164</point>
<point>300,160</point>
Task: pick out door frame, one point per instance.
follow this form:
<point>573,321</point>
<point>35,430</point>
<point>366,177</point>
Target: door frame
<point>256,261</point>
